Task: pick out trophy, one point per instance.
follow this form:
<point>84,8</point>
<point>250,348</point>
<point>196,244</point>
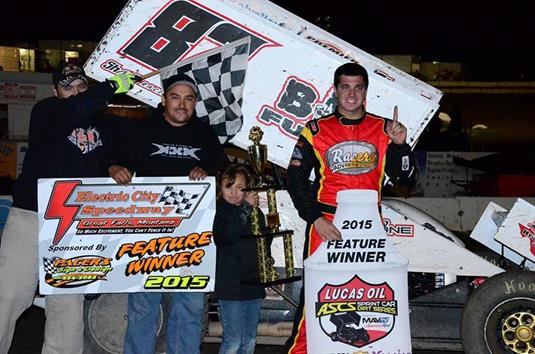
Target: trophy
<point>266,272</point>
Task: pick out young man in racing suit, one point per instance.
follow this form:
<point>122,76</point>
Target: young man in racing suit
<point>348,149</point>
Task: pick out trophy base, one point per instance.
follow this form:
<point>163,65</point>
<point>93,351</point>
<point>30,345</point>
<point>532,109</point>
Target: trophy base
<point>273,282</point>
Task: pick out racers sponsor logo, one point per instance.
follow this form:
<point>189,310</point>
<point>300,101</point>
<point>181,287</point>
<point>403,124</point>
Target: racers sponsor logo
<point>356,313</point>
<point>352,157</point>
<point>115,209</point>
<point>528,231</point>
<point>77,271</point>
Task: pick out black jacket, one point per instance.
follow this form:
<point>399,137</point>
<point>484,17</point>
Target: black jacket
<point>236,256</point>
<point>68,137</point>
<point>156,148</point>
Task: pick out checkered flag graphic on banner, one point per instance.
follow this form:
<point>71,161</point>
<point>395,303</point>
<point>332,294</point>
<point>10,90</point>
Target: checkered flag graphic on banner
<point>183,201</point>
<point>220,77</point>
<point>48,264</point>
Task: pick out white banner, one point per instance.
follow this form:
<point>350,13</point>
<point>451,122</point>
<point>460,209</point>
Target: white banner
<point>155,234</point>
<point>290,72</point>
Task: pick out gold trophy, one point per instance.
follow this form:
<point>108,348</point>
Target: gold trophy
<point>266,272</point>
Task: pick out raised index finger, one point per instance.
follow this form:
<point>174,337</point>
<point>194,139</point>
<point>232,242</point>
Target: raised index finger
<point>395,116</point>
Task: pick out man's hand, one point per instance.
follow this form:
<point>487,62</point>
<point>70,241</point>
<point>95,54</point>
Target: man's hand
<point>326,229</point>
<point>123,82</point>
<point>197,173</point>
<point>120,174</point>
<point>395,130</point>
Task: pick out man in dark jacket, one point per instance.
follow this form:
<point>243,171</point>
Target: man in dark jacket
<point>67,138</point>
<point>173,142</point>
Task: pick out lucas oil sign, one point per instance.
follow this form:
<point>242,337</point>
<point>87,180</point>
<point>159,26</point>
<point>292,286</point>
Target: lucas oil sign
<point>356,288</point>
<point>155,234</point>
<point>356,313</point>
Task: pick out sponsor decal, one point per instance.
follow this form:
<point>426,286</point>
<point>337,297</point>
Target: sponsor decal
<point>333,48</point>
<point>77,271</point>
<point>356,313</point>
<point>528,231</point>
<point>114,67</point>
<point>398,230</point>
<point>352,157</point>
<point>94,209</point>
<point>297,102</point>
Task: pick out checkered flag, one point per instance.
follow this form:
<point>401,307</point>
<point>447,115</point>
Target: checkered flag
<point>182,200</point>
<point>220,77</point>
<point>48,264</point>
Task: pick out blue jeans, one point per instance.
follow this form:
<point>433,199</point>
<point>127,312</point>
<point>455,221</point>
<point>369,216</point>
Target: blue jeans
<point>239,320</point>
<point>184,324</point>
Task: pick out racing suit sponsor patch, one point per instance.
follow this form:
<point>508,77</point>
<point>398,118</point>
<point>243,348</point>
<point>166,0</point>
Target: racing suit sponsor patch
<point>352,157</point>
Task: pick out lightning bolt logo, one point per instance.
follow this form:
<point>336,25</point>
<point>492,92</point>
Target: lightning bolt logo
<point>58,210</point>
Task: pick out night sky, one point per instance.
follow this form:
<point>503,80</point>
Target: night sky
<point>493,42</point>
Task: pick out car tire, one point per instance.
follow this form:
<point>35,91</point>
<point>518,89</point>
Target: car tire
<point>106,318</point>
<point>499,316</point>
<point>105,321</point>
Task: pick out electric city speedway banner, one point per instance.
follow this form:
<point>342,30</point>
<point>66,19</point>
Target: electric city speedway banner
<point>155,234</point>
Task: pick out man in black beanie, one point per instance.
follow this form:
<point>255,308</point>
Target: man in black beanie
<point>67,138</point>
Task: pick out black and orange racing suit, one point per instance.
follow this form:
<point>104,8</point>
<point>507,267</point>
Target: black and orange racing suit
<point>345,154</point>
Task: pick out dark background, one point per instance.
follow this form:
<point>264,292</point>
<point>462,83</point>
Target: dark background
<point>492,40</point>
